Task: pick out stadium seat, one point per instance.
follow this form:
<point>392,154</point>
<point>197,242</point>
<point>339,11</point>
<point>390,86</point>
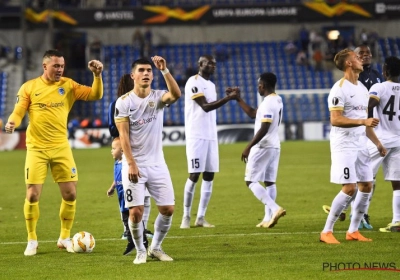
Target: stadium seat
<point>247,62</point>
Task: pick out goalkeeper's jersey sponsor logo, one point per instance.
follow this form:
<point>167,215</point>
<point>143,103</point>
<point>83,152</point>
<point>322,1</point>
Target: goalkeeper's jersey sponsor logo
<point>51,105</point>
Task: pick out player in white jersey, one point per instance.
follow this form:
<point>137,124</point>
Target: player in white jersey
<point>385,99</point>
<point>350,166</point>
<point>201,138</point>
<point>262,153</point>
<point>139,119</point>
<point>368,77</point>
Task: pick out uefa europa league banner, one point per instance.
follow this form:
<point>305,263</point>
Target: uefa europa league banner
<point>309,11</point>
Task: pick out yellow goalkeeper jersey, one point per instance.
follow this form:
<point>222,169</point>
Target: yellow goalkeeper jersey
<point>48,105</point>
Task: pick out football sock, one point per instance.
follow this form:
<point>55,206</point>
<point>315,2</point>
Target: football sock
<point>396,206</point>
<point>125,219</point>
<point>360,204</point>
<point>31,213</point>
<point>188,197</point>
<point>146,212</point>
<point>338,204</point>
<point>262,195</point>
<point>351,202</point>
<point>67,215</point>
<point>206,191</point>
<point>271,190</point>
<point>161,228</point>
<point>370,196</point>
<point>137,234</point>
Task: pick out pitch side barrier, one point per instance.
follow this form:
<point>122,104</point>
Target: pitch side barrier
<point>306,117</point>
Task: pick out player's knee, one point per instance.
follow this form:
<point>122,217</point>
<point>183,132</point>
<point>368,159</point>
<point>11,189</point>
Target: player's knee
<point>194,177</point>
<point>32,193</point>
<point>349,189</point>
<point>396,185</point>
<point>365,187</point>
<point>69,196</point>
<point>208,176</point>
<point>136,217</point>
<point>166,210</point>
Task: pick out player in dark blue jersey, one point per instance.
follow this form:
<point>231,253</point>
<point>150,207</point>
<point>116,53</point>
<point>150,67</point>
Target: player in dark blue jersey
<point>369,76</point>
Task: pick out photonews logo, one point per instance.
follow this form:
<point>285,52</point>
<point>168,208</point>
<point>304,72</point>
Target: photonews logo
<point>343,266</point>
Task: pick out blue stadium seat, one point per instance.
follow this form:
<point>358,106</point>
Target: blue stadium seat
<point>247,62</point>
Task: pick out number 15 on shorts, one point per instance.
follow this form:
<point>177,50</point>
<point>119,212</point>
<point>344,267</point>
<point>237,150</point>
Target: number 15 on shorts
<point>195,163</point>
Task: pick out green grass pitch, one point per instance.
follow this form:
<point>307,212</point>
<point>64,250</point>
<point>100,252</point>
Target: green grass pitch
<point>234,249</point>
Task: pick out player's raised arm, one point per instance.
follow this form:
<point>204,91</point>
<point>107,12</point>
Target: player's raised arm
<point>21,106</point>
<point>97,87</point>
<point>174,92</point>
<point>250,111</point>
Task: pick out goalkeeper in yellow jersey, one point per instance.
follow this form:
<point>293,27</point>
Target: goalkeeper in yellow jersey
<point>48,100</point>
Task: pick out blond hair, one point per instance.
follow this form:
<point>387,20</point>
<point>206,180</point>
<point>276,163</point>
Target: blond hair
<point>340,59</point>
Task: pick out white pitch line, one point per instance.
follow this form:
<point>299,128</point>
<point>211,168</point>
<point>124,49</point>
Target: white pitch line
<point>193,236</point>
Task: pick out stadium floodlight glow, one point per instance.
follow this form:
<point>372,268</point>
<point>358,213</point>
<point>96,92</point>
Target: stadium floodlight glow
<point>333,34</point>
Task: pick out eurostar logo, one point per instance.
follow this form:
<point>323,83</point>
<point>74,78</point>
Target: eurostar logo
<point>43,16</point>
<point>166,13</point>
<point>336,10</point>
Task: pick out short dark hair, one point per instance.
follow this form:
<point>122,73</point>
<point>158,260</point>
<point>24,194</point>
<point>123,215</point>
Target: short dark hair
<point>268,79</point>
<point>140,61</point>
<point>125,84</point>
<point>340,59</point>
<point>50,53</point>
<point>362,46</point>
<point>205,57</point>
<point>393,66</point>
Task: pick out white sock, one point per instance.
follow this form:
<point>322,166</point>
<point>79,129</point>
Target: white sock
<point>262,195</point>
<point>370,196</point>
<point>146,211</point>
<point>350,202</point>
<point>161,228</point>
<point>137,234</point>
<point>396,206</point>
<point>188,197</point>
<point>338,204</point>
<point>206,191</point>
<point>360,205</point>
<point>271,190</point>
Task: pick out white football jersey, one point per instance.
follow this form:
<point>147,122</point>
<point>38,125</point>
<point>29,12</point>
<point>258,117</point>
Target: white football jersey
<point>388,112</point>
<point>270,110</point>
<point>145,117</point>
<point>198,123</point>
<point>353,101</point>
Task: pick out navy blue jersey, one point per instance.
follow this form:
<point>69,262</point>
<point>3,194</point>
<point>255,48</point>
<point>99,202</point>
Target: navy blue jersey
<point>370,77</point>
<point>111,123</point>
<point>118,185</point>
